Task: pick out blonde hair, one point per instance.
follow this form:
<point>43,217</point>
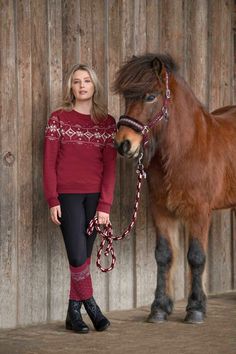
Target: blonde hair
<point>99,109</point>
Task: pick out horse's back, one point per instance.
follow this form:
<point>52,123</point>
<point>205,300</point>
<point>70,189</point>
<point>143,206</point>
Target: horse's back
<point>227,111</point>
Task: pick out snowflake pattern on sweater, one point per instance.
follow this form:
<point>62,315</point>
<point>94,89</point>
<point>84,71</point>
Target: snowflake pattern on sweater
<point>79,157</point>
<point>69,133</point>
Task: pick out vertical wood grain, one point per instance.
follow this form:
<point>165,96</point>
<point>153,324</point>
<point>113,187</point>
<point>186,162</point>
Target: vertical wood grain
<point>172,17</point>
<point>40,82</point>
<point>220,94</point>
<point>196,54</point>
<point>8,168</point>
<point>220,267</point>
<point>113,63</point>
<point>220,53</point>
<point>71,32</point>
<point>58,269</point>
<point>86,32</point>
<point>99,40</point>
<point>24,173</point>
<point>152,24</point>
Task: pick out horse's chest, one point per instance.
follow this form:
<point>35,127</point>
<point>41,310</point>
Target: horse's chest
<point>169,193</point>
<point>177,200</point>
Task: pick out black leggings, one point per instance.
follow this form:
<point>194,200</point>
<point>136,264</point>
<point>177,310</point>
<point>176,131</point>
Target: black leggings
<point>77,211</point>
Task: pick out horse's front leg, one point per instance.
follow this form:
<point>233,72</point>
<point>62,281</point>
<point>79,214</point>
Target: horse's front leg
<point>162,305</point>
<point>196,308</point>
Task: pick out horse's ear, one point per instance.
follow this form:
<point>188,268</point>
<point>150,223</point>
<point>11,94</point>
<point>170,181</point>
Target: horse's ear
<point>157,66</point>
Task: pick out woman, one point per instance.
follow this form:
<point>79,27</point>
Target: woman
<point>79,178</point>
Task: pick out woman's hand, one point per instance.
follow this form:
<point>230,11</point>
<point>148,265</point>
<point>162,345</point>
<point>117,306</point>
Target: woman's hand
<point>103,218</point>
<point>55,213</point>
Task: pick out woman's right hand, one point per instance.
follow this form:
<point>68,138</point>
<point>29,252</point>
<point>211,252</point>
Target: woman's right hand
<point>55,213</point>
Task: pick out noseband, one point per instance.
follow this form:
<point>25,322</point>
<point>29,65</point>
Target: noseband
<point>144,129</point>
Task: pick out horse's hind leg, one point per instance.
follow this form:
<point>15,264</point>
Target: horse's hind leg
<point>162,305</point>
<point>196,308</point>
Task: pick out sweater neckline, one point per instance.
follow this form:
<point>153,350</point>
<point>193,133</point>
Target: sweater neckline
<point>81,114</point>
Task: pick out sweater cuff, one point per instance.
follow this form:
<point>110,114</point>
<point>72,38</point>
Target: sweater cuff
<point>104,207</point>
<point>53,202</point>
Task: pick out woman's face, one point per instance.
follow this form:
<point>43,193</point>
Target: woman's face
<point>82,86</point>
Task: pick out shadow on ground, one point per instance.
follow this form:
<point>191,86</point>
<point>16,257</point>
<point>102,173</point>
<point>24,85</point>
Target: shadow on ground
<point>129,333</point>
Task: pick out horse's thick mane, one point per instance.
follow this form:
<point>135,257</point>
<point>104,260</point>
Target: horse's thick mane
<point>136,77</point>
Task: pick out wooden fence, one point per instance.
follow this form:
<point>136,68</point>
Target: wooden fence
<point>39,41</point>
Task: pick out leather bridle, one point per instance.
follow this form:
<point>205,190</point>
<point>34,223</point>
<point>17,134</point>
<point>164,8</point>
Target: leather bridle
<point>144,129</point>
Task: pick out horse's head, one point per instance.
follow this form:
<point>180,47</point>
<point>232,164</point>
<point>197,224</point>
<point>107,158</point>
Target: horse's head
<point>143,81</point>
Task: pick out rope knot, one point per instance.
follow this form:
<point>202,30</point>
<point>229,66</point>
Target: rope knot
<point>106,233</point>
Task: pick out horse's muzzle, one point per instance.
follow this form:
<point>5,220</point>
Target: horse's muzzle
<point>123,147</point>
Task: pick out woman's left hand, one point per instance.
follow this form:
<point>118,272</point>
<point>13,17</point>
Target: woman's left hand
<point>103,218</point>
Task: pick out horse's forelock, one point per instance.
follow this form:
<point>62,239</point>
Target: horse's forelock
<point>137,77</point>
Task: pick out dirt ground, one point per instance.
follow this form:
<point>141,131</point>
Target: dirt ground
<point>129,333</point>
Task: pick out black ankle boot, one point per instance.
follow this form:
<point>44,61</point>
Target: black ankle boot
<point>74,319</point>
<point>100,322</point>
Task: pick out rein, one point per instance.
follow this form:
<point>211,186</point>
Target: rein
<point>106,234</point>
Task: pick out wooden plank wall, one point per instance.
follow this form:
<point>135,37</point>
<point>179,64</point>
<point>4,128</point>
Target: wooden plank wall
<point>39,41</point>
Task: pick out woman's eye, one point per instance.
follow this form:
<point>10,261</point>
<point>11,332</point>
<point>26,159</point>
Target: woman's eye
<point>149,98</point>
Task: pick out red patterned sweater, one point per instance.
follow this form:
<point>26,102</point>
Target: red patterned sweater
<point>79,157</point>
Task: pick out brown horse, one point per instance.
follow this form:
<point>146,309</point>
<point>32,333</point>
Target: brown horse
<point>190,159</point>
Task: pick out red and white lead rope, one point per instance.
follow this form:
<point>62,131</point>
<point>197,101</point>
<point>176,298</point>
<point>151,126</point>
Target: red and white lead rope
<point>106,233</point>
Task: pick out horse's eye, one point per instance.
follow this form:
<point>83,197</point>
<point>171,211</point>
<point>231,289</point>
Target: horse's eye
<point>149,98</point>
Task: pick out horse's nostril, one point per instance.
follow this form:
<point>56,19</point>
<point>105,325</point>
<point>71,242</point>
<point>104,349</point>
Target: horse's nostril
<point>126,146</point>
<point>123,147</point>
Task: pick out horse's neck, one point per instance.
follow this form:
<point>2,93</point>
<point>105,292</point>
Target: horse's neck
<point>187,120</point>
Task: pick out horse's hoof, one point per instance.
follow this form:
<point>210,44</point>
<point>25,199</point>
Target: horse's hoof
<point>194,317</point>
<point>157,316</point>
